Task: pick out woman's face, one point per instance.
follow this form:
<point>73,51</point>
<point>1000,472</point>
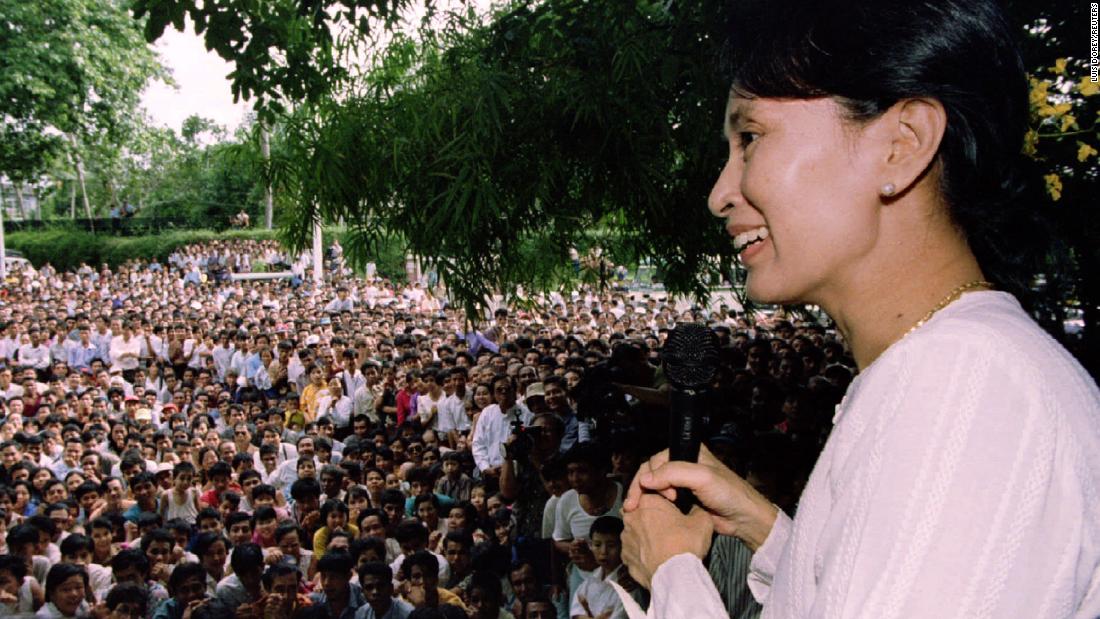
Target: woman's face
<point>73,482</point>
<point>336,520</point>
<point>22,497</point>
<point>40,478</point>
<point>289,544</point>
<point>375,481</point>
<point>456,520</point>
<point>68,594</point>
<point>482,397</point>
<point>101,538</point>
<point>306,468</point>
<point>811,182</point>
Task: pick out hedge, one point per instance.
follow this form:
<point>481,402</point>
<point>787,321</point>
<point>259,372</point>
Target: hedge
<point>66,248</point>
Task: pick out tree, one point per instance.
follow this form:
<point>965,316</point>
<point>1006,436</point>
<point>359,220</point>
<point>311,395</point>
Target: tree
<point>1063,145</point>
<point>71,77</point>
<point>282,50</point>
<point>494,146</point>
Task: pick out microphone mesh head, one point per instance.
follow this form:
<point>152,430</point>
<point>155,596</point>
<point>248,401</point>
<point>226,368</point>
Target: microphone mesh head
<point>690,356</point>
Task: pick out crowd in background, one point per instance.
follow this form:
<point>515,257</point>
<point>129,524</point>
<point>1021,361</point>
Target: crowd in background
<point>176,443</point>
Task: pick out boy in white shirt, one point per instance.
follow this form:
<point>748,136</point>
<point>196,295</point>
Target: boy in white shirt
<point>596,598</point>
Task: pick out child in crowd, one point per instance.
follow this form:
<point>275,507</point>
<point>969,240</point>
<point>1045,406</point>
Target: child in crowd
<point>596,598</point>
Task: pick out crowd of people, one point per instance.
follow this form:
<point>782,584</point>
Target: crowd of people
<point>179,444</point>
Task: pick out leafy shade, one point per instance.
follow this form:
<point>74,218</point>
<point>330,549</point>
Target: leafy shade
<point>71,66</point>
<point>282,50</point>
<point>496,148</point>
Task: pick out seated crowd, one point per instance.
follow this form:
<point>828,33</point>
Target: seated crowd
<point>178,446</point>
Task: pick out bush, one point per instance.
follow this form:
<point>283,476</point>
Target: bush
<point>67,249</point>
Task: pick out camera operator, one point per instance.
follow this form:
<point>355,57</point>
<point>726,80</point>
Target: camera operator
<point>493,426</point>
<point>526,451</point>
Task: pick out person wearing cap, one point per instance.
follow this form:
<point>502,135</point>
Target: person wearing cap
<point>535,398</point>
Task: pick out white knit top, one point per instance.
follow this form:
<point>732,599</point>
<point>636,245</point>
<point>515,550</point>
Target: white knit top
<point>961,480</point>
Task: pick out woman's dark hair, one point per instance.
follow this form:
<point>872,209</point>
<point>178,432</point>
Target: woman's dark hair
<point>61,572</point>
<point>205,541</point>
<point>426,560</point>
<point>331,506</point>
<point>374,511</point>
<point>127,593</point>
<point>15,565</point>
<point>128,557</point>
<point>182,573</point>
<point>75,543</point>
<point>869,55</point>
<point>286,529</point>
<point>490,586</point>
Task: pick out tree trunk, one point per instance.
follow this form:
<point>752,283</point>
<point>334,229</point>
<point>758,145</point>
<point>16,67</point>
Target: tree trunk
<point>78,162</point>
<point>269,198</point>
<point>3,246</point>
<point>72,200</point>
<point>19,200</point>
<point>37,193</point>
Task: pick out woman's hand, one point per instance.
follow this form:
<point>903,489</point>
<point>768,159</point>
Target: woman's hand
<point>735,507</point>
<point>656,531</point>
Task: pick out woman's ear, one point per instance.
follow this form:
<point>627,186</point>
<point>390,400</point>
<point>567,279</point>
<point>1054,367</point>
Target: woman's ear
<point>913,131</point>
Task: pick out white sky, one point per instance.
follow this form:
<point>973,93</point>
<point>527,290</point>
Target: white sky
<point>201,84</point>
<point>202,87</point>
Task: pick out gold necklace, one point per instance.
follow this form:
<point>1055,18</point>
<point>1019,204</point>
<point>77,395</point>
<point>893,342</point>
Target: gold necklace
<point>948,300</point>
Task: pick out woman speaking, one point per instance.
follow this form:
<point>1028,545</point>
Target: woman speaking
<point>872,171</point>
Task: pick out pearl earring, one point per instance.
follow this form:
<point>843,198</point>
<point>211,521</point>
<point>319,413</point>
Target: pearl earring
<point>888,189</point>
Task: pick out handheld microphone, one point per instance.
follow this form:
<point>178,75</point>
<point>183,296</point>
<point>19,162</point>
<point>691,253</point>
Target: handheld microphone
<point>690,359</point>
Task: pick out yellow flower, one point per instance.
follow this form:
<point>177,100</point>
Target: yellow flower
<point>1054,186</point>
<point>1059,66</point>
<point>1085,151</point>
<point>1055,110</point>
<point>1068,121</point>
<point>1087,87</point>
<point>1031,143</point>
<point>1038,94</point>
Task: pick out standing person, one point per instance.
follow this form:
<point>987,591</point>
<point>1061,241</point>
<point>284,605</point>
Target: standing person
<point>494,426</point>
<point>452,411</point>
<point>430,400</point>
<point>311,394</point>
<point>592,495</point>
<point>872,172</point>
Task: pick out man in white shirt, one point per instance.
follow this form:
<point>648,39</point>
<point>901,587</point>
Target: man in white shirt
<point>494,426</point>
<point>452,411</point>
<point>428,403</point>
<point>334,405</point>
<point>363,398</point>
<point>35,354</point>
<point>223,356</point>
<point>126,349</point>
